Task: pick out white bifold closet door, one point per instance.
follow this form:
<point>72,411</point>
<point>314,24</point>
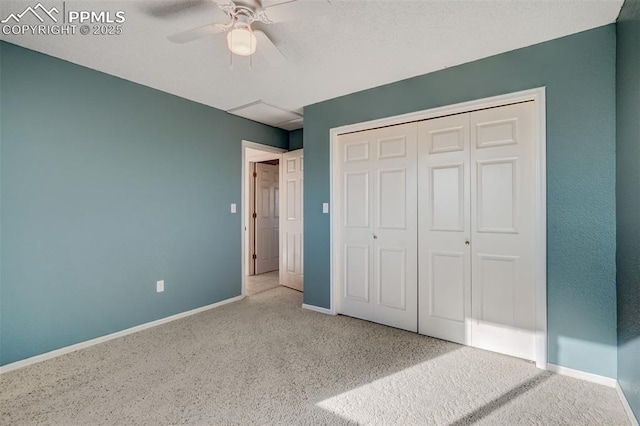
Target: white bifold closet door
<point>477,216</point>
<point>378,225</point>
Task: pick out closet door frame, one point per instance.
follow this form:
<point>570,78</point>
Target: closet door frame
<point>538,96</point>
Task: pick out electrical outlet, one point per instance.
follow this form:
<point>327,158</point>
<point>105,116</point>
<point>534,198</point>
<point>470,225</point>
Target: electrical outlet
<point>234,208</point>
<point>159,286</point>
<point>325,207</point>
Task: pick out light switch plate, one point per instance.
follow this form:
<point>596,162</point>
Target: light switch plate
<point>233,208</point>
<point>325,207</point>
<point>160,286</point>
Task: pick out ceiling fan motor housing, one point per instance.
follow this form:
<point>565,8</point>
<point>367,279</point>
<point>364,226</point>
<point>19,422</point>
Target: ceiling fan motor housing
<point>241,38</point>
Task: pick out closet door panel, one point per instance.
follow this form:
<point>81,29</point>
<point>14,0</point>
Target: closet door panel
<point>396,224</point>
<point>357,178</point>
<point>447,194</point>
<point>496,191</point>
<point>356,273</point>
<point>356,199</point>
<point>392,280</point>
<point>503,220</point>
<point>378,224</point>
<point>392,192</point>
<point>444,228</point>
<point>446,292</point>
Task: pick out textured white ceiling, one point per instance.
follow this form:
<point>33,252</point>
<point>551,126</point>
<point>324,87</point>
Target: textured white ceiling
<point>358,45</point>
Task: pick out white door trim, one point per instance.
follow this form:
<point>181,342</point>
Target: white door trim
<point>538,95</point>
<point>271,153</point>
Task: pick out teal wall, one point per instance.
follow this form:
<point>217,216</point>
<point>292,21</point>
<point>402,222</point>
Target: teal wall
<point>295,139</point>
<point>579,74</point>
<point>628,197</point>
<point>108,186</point>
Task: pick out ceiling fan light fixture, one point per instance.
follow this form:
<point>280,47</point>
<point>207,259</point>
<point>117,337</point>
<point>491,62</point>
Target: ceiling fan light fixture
<point>241,41</point>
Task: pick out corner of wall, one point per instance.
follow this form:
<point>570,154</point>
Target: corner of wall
<point>628,204</point>
<point>296,139</point>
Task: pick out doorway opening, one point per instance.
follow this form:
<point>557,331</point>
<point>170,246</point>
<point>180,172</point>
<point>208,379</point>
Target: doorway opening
<point>260,217</point>
<point>264,227</point>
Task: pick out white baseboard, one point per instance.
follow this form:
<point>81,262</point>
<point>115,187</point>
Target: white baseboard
<point>589,377</point>
<point>601,380</point>
<point>318,309</point>
<point>627,407</point>
<point>68,349</point>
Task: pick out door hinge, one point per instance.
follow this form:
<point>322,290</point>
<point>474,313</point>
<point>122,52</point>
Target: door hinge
<point>255,257</point>
<point>254,215</point>
<point>255,174</point>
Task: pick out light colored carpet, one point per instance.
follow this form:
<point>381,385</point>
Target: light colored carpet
<point>264,360</point>
<point>263,282</point>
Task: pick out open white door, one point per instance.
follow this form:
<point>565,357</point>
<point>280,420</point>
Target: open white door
<point>291,256</point>
<point>267,208</point>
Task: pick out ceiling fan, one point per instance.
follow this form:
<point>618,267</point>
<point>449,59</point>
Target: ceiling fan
<point>243,40</point>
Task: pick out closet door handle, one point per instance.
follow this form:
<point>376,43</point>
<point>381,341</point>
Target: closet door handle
<point>467,243</point>
<point>375,237</point>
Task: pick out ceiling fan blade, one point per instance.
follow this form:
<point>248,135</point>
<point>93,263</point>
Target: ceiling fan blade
<point>196,33</point>
<point>267,50</point>
<point>160,9</point>
<point>225,3</point>
<point>169,8</point>
<point>227,6</point>
<point>294,10</point>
